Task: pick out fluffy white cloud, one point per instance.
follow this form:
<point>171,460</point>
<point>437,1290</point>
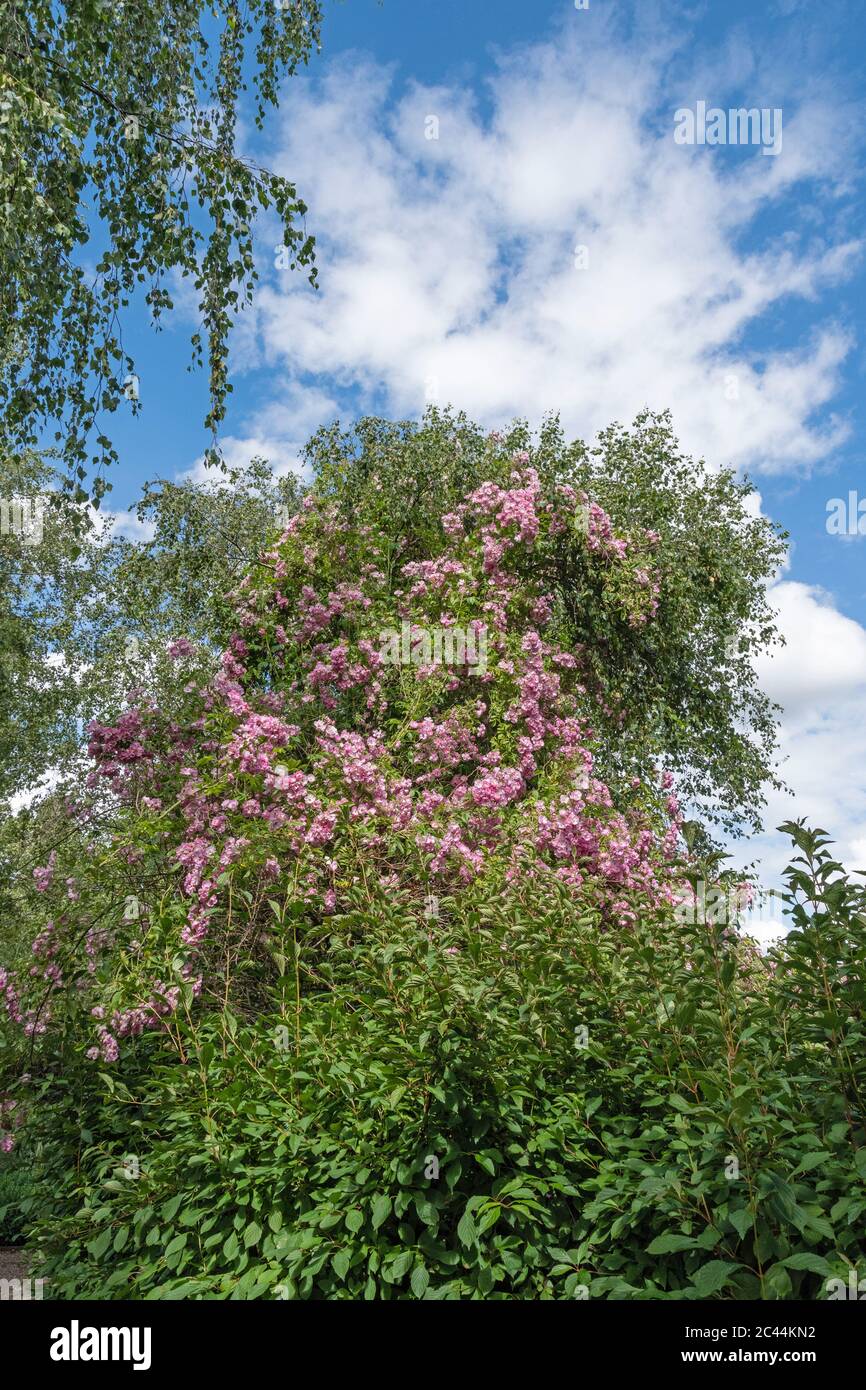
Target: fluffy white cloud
<point>449,267</point>
<point>819,679</point>
<point>824,656</point>
<point>21,800</point>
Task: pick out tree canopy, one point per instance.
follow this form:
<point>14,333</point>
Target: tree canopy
<point>121,168</point>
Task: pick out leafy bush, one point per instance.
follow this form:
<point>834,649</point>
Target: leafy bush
<point>438,1125</point>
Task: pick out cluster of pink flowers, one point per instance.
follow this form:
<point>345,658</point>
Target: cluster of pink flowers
<point>107,1051</point>
<point>115,747</point>
<point>334,674</point>
<point>256,741</point>
<point>32,1021</point>
<point>180,649</point>
<point>315,614</point>
<point>602,540</point>
<point>10,1118</point>
<point>44,877</point>
<point>585,846</point>
<point>131,1023</point>
<point>499,787</point>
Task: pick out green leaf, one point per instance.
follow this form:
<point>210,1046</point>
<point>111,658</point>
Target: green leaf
<point>779,1281</point>
<point>713,1276</point>
<point>741,1220</point>
<point>420,1281</point>
<point>381,1210</point>
<point>813,1160</point>
<point>252,1235</point>
<point>99,1246</point>
<point>809,1259</point>
<point>670,1244</point>
<point>401,1265</point>
<point>171,1207</point>
<point>466,1231</point>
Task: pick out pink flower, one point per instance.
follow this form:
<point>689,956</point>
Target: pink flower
<point>44,877</point>
<point>180,648</point>
<point>498,787</point>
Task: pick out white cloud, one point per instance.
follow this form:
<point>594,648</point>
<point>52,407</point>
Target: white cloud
<point>448,265</point>
<point>765,932</point>
<point>19,801</point>
<point>824,655</point>
<point>819,679</point>
<point>108,525</point>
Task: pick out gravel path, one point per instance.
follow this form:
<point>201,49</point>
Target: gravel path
<point>13,1264</point>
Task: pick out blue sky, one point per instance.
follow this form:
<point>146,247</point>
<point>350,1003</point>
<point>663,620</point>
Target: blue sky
<point>723,282</point>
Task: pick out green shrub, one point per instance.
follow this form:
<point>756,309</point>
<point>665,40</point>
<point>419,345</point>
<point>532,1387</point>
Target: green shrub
<point>438,1125</point>
<point>17,1195</point>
